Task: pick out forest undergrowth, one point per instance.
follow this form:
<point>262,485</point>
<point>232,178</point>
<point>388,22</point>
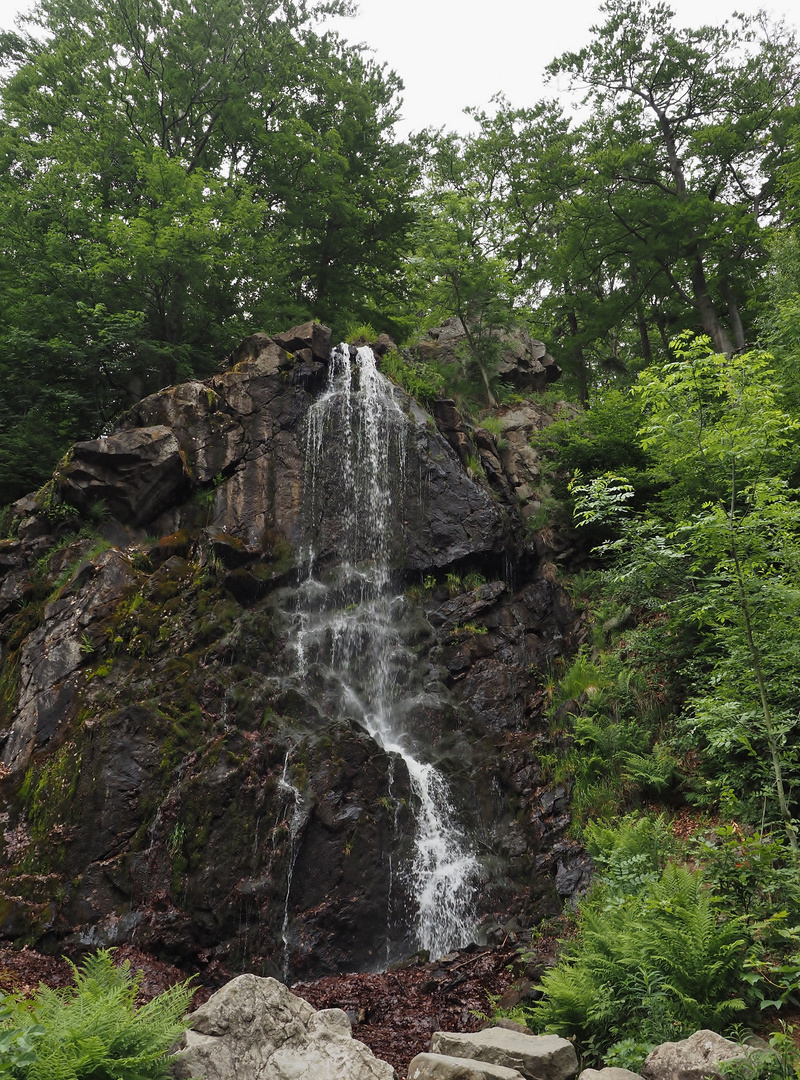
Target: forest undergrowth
<point>682,706</point>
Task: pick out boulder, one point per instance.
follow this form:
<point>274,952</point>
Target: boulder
<point>207,426</point>
<point>535,1057</point>
<point>609,1074</point>
<point>256,1029</point>
<point>137,474</point>
<point>694,1058</point>
<point>310,335</point>
<point>445,1067</point>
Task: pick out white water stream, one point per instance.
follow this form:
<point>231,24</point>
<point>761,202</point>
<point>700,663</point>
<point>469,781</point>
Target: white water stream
<point>296,822</point>
<point>351,625</point>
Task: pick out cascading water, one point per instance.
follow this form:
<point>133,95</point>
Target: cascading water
<point>296,821</point>
<point>349,624</point>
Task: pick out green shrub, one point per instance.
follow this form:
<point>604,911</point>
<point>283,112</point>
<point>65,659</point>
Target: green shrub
<point>17,1043</point>
<point>492,424</point>
<point>628,1054</point>
<point>92,1030</point>
<point>581,677</point>
<point>422,381</point>
<point>357,331</point>
<point>630,855</point>
<point>751,872</point>
<point>654,966</point>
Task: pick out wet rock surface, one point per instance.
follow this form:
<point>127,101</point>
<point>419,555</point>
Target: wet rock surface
<point>166,782</point>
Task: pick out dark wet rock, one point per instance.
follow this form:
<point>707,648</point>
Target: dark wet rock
<point>310,335</point>
<point>15,590</point>
<point>451,425</point>
<point>173,781</point>
<point>52,654</point>
<point>382,344</point>
<point>9,554</point>
<point>230,550</point>
<point>136,474</point>
<point>468,606</point>
<point>574,874</point>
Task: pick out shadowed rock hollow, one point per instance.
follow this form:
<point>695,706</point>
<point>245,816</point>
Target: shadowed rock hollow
<point>167,780</point>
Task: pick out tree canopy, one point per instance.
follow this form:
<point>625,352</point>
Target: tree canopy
<point>173,175</point>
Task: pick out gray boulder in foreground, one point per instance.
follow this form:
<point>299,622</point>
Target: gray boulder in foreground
<point>256,1029</point>
<point>610,1072</point>
<point>535,1057</point>
<point>441,1067</point>
<point>694,1058</point>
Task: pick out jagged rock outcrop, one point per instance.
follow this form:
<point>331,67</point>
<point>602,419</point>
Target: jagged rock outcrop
<point>136,474</point>
<point>255,1029</point>
<point>166,779</point>
<point>522,361</point>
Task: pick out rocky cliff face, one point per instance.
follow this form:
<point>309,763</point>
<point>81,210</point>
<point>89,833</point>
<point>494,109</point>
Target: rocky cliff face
<point>166,778</point>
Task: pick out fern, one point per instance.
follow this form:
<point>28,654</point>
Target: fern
<point>630,855</point>
<point>654,965</point>
<point>94,1031</point>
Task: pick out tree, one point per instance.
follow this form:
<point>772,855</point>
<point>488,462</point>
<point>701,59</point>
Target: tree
<point>457,266</point>
<point>649,216</point>
<point>173,175</point>
<point>722,549</point>
<point>685,132</point>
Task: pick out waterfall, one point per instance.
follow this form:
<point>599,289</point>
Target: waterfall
<point>350,623</point>
<point>296,823</point>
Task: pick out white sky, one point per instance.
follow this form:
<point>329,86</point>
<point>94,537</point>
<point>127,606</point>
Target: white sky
<point>455,53</point>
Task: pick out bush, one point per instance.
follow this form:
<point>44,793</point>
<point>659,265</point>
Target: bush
<point>422,381</point>
<point>92,1030</point>
<point>654,966</point>
<point>630,855</point>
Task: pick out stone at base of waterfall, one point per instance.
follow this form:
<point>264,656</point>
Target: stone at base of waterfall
<point>694,1058</point>
<point>256,1029</point>
<point>609,1073</point>
<point>444,1067</point>
<point>535,1057</point>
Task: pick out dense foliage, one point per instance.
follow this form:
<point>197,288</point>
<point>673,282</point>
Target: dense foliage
<point>173,175</point>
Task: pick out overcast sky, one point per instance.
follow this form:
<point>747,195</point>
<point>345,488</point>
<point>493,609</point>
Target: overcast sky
<point>455,53</point>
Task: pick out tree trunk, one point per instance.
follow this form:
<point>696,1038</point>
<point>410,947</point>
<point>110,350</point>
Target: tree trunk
<point>708,316</point>
<point>475,352</point>
<point>734,317</point>
<point>581,373</point>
